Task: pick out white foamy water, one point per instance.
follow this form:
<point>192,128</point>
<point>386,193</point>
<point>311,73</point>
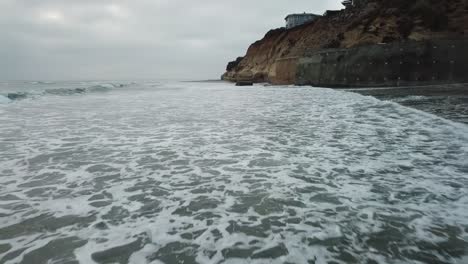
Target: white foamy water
<point>212,173</point>
<point>4,99</point>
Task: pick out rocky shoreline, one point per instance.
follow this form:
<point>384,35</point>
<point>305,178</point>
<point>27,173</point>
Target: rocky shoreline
<point>396,38</point>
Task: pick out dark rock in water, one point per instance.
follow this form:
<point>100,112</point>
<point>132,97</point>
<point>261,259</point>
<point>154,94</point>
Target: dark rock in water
<point>245,79</point>
<point>244,83</point>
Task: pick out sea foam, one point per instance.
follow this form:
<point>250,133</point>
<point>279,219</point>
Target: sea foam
<point>4,99</point>
<point>209,173</point>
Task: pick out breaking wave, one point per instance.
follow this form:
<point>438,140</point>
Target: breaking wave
<point>14,96</point>
<point>4,99</point>
<point>411,98</point>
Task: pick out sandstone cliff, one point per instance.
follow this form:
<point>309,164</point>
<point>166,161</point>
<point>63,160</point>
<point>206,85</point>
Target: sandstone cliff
<point>378,21</point>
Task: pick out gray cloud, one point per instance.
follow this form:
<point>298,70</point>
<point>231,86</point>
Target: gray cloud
<point>132,39</point>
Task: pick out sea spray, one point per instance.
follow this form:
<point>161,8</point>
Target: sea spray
<point>4,99</point>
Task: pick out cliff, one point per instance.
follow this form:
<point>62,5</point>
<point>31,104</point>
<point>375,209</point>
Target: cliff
<point>273,58</point>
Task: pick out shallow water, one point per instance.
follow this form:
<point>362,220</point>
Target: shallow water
<point>170,172</point>
<point>449,101</point>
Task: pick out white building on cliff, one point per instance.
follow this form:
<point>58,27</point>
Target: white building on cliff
<point>354,3</point>
<point>294,20</point>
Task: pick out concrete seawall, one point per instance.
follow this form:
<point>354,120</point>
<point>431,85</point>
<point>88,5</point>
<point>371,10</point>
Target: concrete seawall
<point>398,64</point>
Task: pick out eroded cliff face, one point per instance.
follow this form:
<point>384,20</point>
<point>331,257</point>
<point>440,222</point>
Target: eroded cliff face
<point>272,59</point>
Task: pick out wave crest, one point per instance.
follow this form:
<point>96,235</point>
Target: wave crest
<point>14,96</point>
<point>4,99</point>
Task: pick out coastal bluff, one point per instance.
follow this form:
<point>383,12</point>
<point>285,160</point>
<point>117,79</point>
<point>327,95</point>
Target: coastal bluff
<point>379,43</point>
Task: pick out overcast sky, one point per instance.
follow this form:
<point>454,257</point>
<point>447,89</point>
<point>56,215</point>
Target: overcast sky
<point>134,39</point>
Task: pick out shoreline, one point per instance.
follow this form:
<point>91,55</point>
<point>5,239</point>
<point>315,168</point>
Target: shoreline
<point>460,89</point>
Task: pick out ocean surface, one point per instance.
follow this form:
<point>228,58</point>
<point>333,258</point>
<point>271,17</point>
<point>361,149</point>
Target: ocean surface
<point>199,172</point>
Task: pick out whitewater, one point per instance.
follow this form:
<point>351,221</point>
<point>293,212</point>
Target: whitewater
<point>205,172</point>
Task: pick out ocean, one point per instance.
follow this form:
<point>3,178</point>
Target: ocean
<point>205,172</point>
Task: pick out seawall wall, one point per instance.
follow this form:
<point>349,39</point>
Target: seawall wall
<point>406,63</point>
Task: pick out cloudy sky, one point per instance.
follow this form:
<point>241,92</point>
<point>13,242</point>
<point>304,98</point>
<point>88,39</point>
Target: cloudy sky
<point>134,39</point>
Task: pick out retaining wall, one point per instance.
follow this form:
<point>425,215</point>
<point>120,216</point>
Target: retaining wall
<point>397,64</point>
